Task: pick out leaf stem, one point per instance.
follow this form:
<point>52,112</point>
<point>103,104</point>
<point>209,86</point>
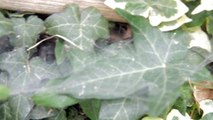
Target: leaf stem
<point>59,36</point>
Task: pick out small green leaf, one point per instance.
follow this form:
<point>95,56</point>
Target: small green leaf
<point>53,100</point>
<point>209,24</point>
<point>180,105</point>
<point>4,92</point>
<point>5,25</point>
<point>59,52</point>
<point>197,20</point>
<point>27,31</point>
<point>91,108</point>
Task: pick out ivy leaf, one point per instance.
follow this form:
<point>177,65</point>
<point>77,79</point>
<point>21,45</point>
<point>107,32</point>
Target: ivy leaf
<point>208,116</point>
<point>53,100</point>
<point>204,5</point>
<point>5,25</point>
<point>209,24</point>
<point>207,106</point>
<point>25,77</point>
<point>25,74</point>
<point>199,39</point>
<point>185,99</point>
<point>155,58</point>
<point>5,111</point>
<point>80,59</point>
<point>91,108</point>
<point>157,11</point>
<point>27,31</point>
<point>17,107</point>
<point>81,28</point>
<point>4,92</point>
<point>197,19</point>
<point>39,112</point>
<point>122,109</point>
<point>20,106</point>
<point>176,115</point>
<point>59,52</point>
<point>174,24</point>
<point>75,26</point>
<point>61,115</point>
<point>135,76</point>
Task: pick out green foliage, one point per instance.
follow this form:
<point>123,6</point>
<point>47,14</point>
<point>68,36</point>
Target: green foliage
<point>208,117</point>
<point>209,24</point>
<point>59,52</point>
<point>26,31</point>
<point>52,100</point>
<point>61,115</point>
<point>5,25</point>
<point>91,108</point>
<point>4,92</point>
<point>82,28</point>
<point>185,101</point>
<point>119,81</point>
<point>168,15</point>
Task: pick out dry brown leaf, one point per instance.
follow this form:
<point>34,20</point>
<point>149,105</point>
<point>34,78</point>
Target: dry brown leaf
<point>203,91</point>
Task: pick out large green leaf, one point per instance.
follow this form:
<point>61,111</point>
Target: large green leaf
<point>136,79</point>
<point>143,75</point>
<point>158,57</point>
<point>27,31</point>
<point>82,28</point>
<point>5,25</point>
